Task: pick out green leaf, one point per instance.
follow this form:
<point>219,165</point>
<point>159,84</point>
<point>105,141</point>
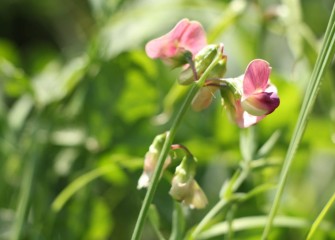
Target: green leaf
<point>55,82</point>
<point>254,222</point>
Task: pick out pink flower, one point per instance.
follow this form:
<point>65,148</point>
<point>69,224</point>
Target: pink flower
<point>185,36</point>
<point>258,97</point>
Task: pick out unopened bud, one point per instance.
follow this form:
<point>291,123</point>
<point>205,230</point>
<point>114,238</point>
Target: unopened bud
<point>150,160</point>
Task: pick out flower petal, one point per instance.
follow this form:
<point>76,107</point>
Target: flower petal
<point>243,118</point>
<point>194,38</point>
<point>261,103</point>
<point>256,77</point>
<point>185,36</point>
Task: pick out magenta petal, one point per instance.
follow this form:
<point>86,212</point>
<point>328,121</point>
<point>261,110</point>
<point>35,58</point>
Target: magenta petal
<point>256,77</point>
<point>261,103</point>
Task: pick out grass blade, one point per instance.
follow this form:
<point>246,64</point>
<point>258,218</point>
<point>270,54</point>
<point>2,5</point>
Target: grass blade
<point>322,62</point>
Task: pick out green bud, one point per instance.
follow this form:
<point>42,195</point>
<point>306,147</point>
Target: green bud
<point>203,98</point>
<point>201,62</point>
<point>184,188</point>
<point>150,160</point>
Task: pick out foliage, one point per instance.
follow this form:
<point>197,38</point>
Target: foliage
<point>80,103</point>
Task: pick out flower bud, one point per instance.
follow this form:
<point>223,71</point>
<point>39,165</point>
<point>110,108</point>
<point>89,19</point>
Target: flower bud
<point>201,62</point>
<point>150,160</point>
<point>184,188</point>
<point>203,98</point>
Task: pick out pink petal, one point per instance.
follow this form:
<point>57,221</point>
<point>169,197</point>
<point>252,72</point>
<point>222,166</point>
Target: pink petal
<point>186,35</point>
<point>256,77</point>
<point>249,120</point>
<point>243,118</point>
<point>193,38</point>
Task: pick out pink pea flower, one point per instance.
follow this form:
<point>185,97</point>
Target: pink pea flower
<point>258,97</point>
<point>186,36</point>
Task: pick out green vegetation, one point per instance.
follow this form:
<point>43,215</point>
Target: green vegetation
<point>80,103</point>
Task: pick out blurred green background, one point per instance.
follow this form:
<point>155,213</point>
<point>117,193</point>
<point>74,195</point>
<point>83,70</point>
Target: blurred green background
<point>80,103</point>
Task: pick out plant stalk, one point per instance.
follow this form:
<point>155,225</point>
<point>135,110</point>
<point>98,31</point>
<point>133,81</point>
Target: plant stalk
<point>166,148</point>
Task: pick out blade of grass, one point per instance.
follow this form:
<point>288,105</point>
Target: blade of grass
<point>322,62</point>
<point>321,216</point>
<point>25,191</point>
<point>76,185</point>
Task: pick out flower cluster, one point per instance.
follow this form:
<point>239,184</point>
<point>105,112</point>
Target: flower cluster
<point>247,98</point>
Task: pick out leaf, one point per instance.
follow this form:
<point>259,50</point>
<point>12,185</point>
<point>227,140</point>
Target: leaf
<point>55,82</point>
<point>255,222</point>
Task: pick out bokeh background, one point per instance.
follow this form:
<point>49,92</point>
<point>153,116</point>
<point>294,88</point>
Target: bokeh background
<point>80,103</point>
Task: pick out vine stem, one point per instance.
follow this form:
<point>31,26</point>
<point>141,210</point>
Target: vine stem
<point>166,147</point>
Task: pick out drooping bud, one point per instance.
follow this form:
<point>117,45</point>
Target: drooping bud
<point>150,160</point>
<point>184,187</point>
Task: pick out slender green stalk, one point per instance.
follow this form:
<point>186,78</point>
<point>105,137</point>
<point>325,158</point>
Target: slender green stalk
<point>247,146</point>
<point>178,223</point>
<point>230,219</point>
<point>25,194</point>
<point>166,148</point>
<point>209,216</point>
<point>220,205</point>
<point>322,62</point>
<point>321,216</point>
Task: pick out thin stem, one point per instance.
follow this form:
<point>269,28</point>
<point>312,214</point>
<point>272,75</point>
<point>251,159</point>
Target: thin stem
<point>230,219</point>
<point>209,216</point>
<point>25,194</point>
<point>322,62</point>
<point>321,216</point>
<point>222,203</point>
<point>166,148</point>
<point>178,223</point>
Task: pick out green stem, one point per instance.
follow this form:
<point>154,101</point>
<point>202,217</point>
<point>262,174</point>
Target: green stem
<point>25,194</point>
<point>222,203</point>
<point>230,219</point>
<point>178,223</point>
<point>322,62</point>
<point>321,216</point>
<point>166,148</point>
<point>209,216</point>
